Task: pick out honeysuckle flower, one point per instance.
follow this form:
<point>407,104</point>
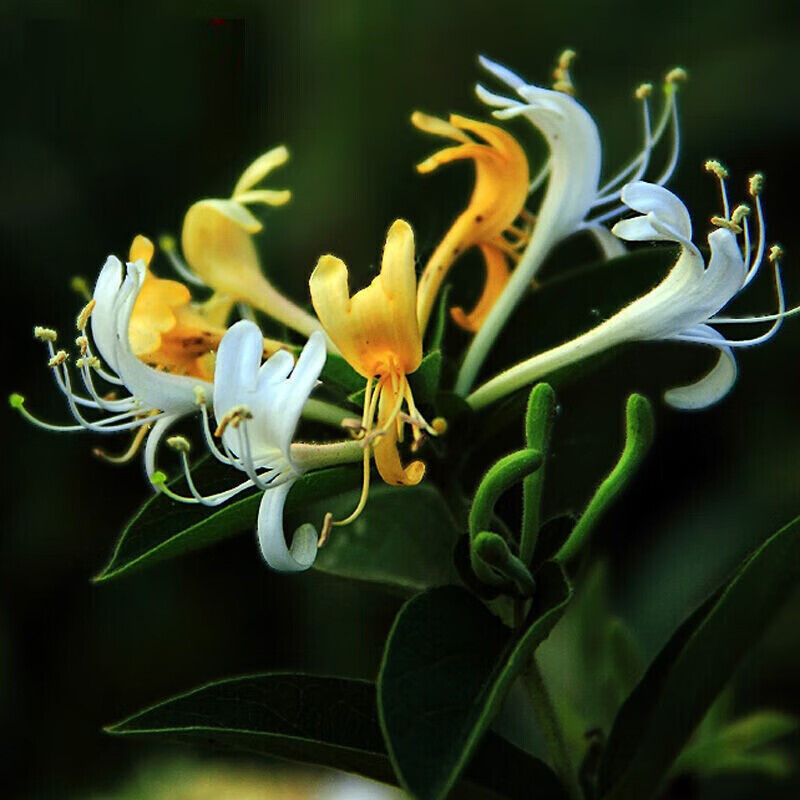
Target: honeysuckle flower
<point>572,173</point>
<point>377,331</point>
<point>258,407</point>
<point>137,322</point>
<point>217,241</point>
<point>684,306</point>
<point>498,199</point>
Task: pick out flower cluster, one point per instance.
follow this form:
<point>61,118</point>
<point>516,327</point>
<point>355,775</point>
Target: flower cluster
<point>149,355</point>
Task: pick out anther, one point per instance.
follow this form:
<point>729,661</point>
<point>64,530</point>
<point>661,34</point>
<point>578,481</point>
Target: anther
<point>179,443</point>
<point>714,166</point>
<point>675,75</point>
<point>563,81</point>
<point>645,90</point>
<point>327,527</point>
<point>199,396</point>
<point>58,359</point>
<point>82,342</point>
<point>756,184</point>
<point>439,425</point>
<point>354,426</point>
<point>775,253</point>
<point>739,213</point>
<point>86,312</point>
<point>729,225</point>
<point>45,334</point>
<point>234,418</point>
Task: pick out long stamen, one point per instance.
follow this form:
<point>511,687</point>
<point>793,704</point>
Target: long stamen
<point>124,458</point>
<point>170,249</point>
<point>756,186</point>
<point>713,166</point>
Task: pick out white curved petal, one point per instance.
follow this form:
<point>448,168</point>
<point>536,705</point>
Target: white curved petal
<point>638,229</point>
<point>271,539</point>
<point>174,394</point>
<point>610,245</point>
<point>503,74</point>
<point>725,274</point>
<point>236,366</point>
<point>647,198</point>
<point>495,100</point>
<point>102,320</point>
<point>712,387</point>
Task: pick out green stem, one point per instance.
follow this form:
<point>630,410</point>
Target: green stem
<point>320,411</point>
<point>550,726</point>
<point>317,456</point>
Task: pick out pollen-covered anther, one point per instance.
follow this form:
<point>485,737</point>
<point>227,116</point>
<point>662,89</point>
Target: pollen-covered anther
<point>562,79</point>
<point>179,443</point>
<point>354,426</point>
<point>714,166</point>
<point>45,334</point>
<point>643,91</point>
<point>93,362</point>
<point>327,527</point>
<point>200,398</point>
<point>728,224</point>
<point>58,359</point>
<point>756,184</point>
<point>82,343</point>
<point>676,74</point>
<point>234,418</point>
<point>86,312</point>
<point>775,253</point>
<point>439,424</point>
<point>739,213</point>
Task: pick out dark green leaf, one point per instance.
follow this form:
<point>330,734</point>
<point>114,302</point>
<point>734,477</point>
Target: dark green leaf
<point>327,721</point>
<point>447,666</point>
<point>405,536</point>
<point>425,380</point>
<point>340,373</point>
<point>163,528</point>
<point>658,718</point>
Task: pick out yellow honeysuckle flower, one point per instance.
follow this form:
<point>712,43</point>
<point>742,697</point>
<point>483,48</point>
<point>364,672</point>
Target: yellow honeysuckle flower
<point>169,331</point>
<point>217,241</point>
<point>501,188</point>
<point>376,330</point>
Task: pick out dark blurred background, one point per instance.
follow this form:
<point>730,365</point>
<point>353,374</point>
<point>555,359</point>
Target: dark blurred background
<point>117,116</point>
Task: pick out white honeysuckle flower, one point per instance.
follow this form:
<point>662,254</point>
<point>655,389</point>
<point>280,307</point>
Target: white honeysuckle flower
<point>154,399</point>
<point>686,303</point>
<point>573,189</point>
<point>258,407</point>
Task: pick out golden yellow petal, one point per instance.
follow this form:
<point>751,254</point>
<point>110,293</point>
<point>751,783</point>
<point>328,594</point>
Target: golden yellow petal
<point>438,127</point>
<point>141,250</point>
<point>387,458</point>
<point>260,168</point>
<point>497,274</point>
<point>376,329</point>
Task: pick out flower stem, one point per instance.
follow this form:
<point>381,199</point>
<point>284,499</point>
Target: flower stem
<point>551,730</point>
<point>320,411</point>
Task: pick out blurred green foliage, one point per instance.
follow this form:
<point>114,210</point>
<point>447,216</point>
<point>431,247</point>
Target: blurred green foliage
<point>117,116</point>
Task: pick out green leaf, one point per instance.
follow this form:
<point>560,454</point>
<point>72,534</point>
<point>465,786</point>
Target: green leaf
<point>331,722</point>
<point>447,666</point>
<point>340,373</point>
<point>731,748</point>
<point>163,528</point>
<point>425,380</point>
<point>658,718</point>
<point>405,537</point>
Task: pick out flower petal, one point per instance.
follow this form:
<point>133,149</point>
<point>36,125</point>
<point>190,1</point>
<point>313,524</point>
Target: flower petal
<point>102,319</point>
<point>260,168</point>
<point>650,198</point>
<point>237,364</point>
<point>271,538</point>
<point>712,387</point>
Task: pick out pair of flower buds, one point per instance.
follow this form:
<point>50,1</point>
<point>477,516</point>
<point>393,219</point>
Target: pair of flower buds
<point>174,358</point>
